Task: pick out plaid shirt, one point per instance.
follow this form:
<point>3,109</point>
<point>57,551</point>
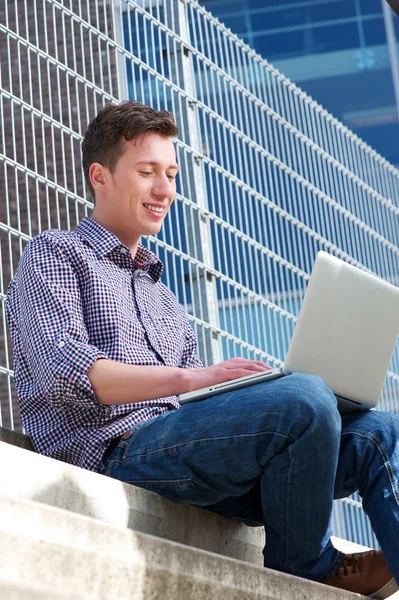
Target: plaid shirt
<point>78,296</point>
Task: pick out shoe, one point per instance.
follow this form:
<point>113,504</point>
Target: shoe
<point>365,573</point>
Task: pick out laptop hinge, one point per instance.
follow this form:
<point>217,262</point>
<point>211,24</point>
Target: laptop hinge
<point>347,400</point>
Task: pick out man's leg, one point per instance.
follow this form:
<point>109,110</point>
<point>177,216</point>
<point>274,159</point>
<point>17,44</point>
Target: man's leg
<point>369,463</point>
<point>281,436</point>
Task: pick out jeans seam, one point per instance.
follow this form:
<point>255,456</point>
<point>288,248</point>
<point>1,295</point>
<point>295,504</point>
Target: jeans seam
<point>210,440</point>
<point>326,576</point>
<point>286,509</point>
<point>385,459</point>
<point>169,481</point>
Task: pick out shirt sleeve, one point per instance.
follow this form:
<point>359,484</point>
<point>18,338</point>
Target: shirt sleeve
<point>45,307</point>
<point>190,359</point>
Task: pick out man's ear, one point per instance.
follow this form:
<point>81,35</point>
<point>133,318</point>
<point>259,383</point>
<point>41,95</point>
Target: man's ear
<point>97,176</point>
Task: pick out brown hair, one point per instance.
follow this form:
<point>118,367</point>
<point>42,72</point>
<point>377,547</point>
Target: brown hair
<point>106,134</point>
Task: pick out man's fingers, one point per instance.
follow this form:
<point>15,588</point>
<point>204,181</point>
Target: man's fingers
<point>245,369</point>
<point>246,363</point>
<point>232,374</point>
<point>264,365</point>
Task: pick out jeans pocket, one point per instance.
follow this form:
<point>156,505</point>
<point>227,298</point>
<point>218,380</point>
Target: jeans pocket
<point>124,442</point>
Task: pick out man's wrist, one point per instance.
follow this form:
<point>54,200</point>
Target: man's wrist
<point>185,377</point>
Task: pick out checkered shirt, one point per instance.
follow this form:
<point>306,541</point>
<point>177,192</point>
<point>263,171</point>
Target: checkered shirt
<point>78,296</point>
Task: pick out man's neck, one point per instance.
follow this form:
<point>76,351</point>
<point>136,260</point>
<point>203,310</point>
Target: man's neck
<point>118,231</point>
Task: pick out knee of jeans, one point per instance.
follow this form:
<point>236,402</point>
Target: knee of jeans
<point>317,401</point>
<point>380,426</point>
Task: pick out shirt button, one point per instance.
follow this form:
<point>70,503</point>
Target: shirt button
<point>61,344</point>
<point>123,250</point>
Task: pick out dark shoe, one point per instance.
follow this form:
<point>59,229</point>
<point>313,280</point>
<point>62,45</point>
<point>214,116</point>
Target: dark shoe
<point>365,573</point>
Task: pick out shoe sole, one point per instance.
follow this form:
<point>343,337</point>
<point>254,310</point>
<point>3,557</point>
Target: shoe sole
<point>389,588</point>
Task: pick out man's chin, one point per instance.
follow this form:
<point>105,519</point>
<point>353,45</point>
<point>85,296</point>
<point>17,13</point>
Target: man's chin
<point>153,230</point>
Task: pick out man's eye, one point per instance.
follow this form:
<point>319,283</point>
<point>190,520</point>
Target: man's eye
<point>172,177</point>
<point>146,173</point>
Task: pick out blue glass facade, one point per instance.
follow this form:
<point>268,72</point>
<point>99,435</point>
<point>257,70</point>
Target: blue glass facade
<point>335,50</point>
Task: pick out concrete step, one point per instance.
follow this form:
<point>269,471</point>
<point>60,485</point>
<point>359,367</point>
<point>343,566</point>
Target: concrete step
<point>32,476</point>
<point>17,439</point>
<point>69,554</point>
<point>28,475</point>
<point>18,591</point>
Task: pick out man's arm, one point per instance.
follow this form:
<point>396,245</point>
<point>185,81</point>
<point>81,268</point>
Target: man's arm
<point>119,383</point>
<point>46,318</point>
<point>52,353</point>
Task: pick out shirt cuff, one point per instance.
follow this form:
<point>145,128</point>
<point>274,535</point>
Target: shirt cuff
<point>67,380</point>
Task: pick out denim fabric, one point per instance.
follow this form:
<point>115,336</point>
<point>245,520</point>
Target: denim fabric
<point>369,463</point>
<point>268,455</point>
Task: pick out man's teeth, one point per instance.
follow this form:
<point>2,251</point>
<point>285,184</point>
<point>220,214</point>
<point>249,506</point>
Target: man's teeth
<point>157,209</point>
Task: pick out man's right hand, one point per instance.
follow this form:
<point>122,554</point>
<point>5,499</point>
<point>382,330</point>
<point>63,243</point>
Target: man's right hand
<point>224,371</point>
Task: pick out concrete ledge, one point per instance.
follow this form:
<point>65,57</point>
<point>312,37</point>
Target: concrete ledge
<point>16,439</point>
<point>15,591</point>
<point>63,551</point>
<point>32,476</point>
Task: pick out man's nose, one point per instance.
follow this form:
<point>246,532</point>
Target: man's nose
<point>162,187</point>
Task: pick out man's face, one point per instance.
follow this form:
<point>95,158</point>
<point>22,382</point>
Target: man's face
<point>143,185</point>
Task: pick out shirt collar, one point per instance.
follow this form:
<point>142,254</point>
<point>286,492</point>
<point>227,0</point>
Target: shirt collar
<point>104,242</point>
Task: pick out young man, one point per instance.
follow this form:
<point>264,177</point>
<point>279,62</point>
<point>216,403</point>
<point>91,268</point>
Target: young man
<point>102,349</point>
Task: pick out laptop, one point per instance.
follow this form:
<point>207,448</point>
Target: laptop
<point>346,333</point>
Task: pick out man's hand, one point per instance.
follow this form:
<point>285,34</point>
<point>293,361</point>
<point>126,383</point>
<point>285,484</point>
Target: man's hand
<point>224,371</point>
<point>119,383</point>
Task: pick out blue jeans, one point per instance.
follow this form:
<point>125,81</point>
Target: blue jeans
<point>274,454</point>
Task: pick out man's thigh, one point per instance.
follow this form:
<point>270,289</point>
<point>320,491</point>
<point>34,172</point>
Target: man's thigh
<point>199,454</point>
<point>217,448</point>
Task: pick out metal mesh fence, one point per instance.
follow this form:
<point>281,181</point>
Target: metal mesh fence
<point>268,177</point>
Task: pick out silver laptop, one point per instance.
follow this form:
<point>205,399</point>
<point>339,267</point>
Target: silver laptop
<point>346,333</point>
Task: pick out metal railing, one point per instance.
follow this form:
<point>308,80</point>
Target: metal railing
<point>268,177</point>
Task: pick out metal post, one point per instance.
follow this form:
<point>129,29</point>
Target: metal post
<point>182,69</point>
<point>393,50</point>
<point>117,15</point>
